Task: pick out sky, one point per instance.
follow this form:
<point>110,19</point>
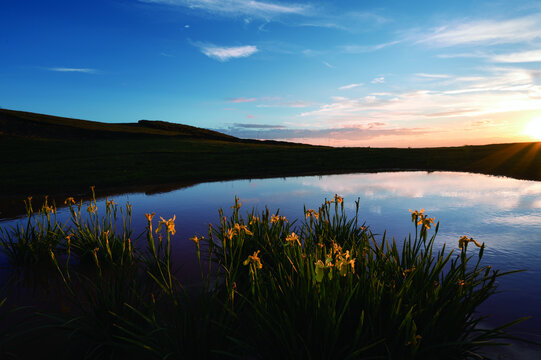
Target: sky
<point>338,73</point>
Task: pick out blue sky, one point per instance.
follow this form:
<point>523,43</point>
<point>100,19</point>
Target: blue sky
<point>342,73</point>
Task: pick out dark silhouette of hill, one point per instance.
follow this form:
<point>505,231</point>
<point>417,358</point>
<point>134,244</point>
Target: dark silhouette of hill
<point>47,126</point>
<point>33,125</point>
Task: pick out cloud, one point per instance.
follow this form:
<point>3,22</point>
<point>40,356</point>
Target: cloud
<point>488,32</point>
<point>485,108</point>
<point>328,65</point>
<point>222,53</point>
<point>355,132</point>
<point>519,57</point>
<point>329,15</point>
<point>297,104</point>
<point>277,102</point>
<point>361,49</point>
<point>433,76</point>
<point>515,57</point>
<point>476,54</point>
<point>378,80</point>
<point>366,16</point>
<point>375,124</point>
<point>272,102</point>
<point>257,126</point>
<point>79,70</point>
<point>482,122</point>
<point>500,90</point>
<point>238,8</point>
<point>241,100</point>
<point>350,86</point>
<point>451,113</point>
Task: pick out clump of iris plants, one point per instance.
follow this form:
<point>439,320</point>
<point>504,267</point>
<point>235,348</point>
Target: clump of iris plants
<point>325,287</point>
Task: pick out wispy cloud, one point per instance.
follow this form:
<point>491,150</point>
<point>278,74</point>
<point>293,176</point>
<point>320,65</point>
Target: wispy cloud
<point>433,76</point>
<point>518,57</point>
<point>356,132</point>
<point>352,21</point>
<point>526,56</point>
<point>367,16</point>
<point>241,100</point>
<point>77,70</point>
<point>484,108</point>
<point>234,8</point>
<point>452,113</point>
<point>330,66</point>
<point>297,104</point>
<point>278,102</point>
<point>350,86</point>
<point>501,91</point>
<point>378,80</point>
<point>271,102</point>
<point>223,53</point>
<point>476,54</point>
<point>488,32</point>
<point>360,49</point>
<point>257,126</point>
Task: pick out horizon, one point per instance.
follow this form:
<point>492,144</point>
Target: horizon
<point>287,141</point>
<point>419,74</point>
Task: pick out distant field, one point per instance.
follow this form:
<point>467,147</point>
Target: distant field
<point>44,154</point>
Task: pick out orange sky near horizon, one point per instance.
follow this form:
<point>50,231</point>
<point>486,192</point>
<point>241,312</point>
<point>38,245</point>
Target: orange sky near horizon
<point>504,127</point>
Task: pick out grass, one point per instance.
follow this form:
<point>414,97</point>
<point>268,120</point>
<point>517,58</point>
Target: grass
<point>322,288</point>
<point>58,156</point>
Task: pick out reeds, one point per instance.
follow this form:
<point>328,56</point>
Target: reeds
<point>327,288</point>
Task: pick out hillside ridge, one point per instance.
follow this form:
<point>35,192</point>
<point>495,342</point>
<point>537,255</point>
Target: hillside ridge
<point>30,124</point>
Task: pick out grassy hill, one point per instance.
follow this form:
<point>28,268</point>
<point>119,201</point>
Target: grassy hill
<point>47,126</point>
<point>44,154</point>
<point>27,124</point>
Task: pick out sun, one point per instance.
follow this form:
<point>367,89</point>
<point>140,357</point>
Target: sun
<point>533,129</point>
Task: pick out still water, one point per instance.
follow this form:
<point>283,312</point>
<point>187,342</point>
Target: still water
<point>503,213</point>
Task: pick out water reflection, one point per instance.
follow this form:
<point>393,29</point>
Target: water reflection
<point>464,188</point>
<point>502,212</point>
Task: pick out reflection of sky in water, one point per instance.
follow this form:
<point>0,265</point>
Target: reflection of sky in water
<point>504,213</point>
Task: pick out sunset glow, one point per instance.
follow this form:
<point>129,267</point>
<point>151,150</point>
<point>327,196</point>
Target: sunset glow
<point>533,129</point>
<point>353,73</point>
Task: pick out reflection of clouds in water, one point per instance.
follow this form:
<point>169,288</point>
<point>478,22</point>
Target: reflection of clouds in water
<point>375,209</point>
<point>465,189</point>
<point>533,188</point>
<point>301,192</point>
<point>516,220</point>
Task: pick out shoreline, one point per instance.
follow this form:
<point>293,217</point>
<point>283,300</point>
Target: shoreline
<point>12,206</point>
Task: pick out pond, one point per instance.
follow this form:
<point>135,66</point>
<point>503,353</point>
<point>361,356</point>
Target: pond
<point>503,213</point>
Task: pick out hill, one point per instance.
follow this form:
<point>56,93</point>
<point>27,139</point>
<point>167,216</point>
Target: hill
<point>47,126</point>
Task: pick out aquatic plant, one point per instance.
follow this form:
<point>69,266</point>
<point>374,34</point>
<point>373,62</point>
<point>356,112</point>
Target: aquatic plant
<point>107,239</point>
<point>333,290</point>
<point>324,288</point>
<point>29,244</point>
